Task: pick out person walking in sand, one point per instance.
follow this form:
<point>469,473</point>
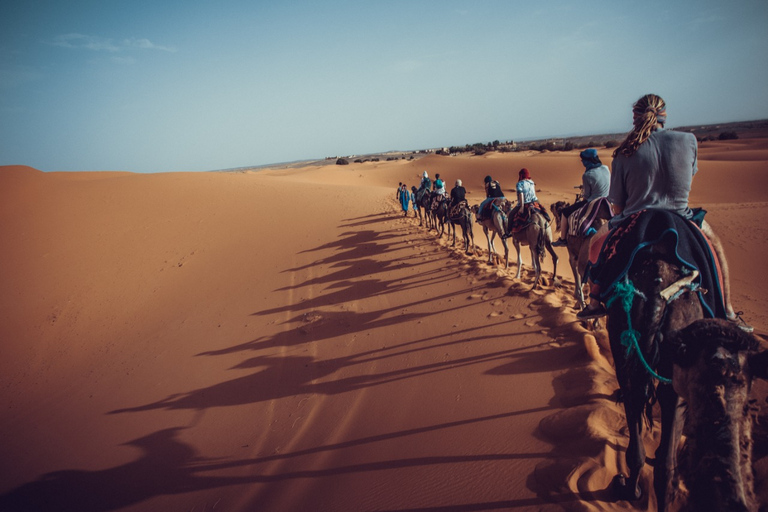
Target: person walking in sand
<point>654,168</point>
<point>595,183</point>
<point>406,197</point>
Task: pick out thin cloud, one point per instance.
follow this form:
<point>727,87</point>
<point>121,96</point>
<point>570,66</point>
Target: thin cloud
<point>96,43</point>
<point>146,44</point>
<point>86,42</point>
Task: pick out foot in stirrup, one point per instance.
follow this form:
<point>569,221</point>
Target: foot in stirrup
<point>505,236</point>
<point>560,242</point>
<point>592,311</point>
<point>740,323</point>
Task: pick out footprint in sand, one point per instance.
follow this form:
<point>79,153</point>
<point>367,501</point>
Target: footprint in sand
<point>495,313</point>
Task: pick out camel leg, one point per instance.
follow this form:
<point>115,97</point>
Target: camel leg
<point>519,259</point>
<point>717,245</point>
<point>665,469</point>
<point>629,489</point>
<point>551,251</point>
<point>506,253</point>
<point>578,292</point>
<point>536,265</point>
<point>491,251</point>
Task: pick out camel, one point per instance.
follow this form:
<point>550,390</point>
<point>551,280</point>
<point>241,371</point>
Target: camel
<point>494,225</point>
<point>440,218</point>
<point>714,363</point>
<point>464,220</point>
<point>655,296</point>
<point>578,248</point>
<point>538,236</point>
<point>422,200</point>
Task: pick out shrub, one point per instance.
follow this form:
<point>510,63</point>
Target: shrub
<point>611,143</point>
<point>728,136</point>
<point>342,161</point>
<point>568,146</point>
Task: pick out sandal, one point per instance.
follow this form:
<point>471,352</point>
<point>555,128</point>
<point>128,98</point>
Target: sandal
<point>591,312</point>
<point>739,322</point>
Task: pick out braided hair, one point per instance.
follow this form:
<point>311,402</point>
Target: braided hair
<point>647,112</point>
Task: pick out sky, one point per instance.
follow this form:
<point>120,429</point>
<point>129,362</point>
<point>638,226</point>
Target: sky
<point>199,85</point>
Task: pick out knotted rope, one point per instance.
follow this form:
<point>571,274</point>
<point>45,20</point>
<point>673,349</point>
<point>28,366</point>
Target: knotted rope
<point>624,292</point>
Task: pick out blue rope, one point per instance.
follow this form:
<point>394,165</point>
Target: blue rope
<point>624,293</point>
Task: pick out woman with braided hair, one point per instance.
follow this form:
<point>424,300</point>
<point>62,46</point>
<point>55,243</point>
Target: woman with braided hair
<point>654,168</point>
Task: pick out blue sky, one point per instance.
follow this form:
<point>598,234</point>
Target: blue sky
<point>194,85</point>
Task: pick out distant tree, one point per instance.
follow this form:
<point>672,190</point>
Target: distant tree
<point>568,146</point>
<point>611,143</point>
<point>728,136</point>
<point>342,161</point>
<point>495,144</point>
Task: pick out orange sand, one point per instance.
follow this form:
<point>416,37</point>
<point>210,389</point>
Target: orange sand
<point>286,340</point>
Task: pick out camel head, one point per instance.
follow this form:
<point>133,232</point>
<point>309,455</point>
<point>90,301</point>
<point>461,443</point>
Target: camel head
<point>714,363</point>
<point>556,208</point>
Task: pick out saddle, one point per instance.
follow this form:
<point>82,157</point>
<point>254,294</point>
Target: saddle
<point>457,211</point>
<point>682,240</point>
<point>498,203</point>
<point>522,220</point>
<point>437,199</point>
<point>582,219</point>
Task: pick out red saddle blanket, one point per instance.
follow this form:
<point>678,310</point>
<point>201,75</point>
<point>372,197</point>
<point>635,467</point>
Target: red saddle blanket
<point>521,220</point>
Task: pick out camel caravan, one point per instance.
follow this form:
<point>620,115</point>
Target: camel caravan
<point>657,272</point>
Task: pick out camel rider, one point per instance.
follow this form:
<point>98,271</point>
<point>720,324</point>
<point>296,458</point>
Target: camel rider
<point>458,193</point>
<point>595,183</point>
<point>438,192</point>
<point>426,183</point>
<point>458,196</point>
<point>526,200</point>
<point>424,187</point>
<point>654,168</point>
<point>492,191</point>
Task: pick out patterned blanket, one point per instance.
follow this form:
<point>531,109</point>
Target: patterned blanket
<point>582,219</point>
<point>682,239</point>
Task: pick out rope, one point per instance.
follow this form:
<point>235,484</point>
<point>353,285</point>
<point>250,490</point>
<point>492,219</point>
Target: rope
<point>624,293</point>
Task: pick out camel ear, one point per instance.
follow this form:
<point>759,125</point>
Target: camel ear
<point>678,350</point>
<point>758,364</point>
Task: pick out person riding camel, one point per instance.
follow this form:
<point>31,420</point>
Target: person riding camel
<point>654,168</point>
<point>438,192</point>
<point>492,192</point>
<point>426,183</point>
<point>526,201</point>
<point>595,183</point>
<point>458,196</point>
<point>424,187</point>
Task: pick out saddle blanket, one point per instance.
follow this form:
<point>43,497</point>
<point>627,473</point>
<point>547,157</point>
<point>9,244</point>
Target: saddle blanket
<point>684,242</point>
<point>521,221</point>
<point>582,219</point>
<point>457,210</point>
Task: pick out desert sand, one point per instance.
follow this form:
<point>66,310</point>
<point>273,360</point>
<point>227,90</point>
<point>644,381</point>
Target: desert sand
<point>285,340</point>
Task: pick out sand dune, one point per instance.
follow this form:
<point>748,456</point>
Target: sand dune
<point>286,340</point>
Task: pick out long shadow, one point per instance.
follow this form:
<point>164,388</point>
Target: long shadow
<point>168,466</point>
<point>365,220</point>
<point>284,376</point>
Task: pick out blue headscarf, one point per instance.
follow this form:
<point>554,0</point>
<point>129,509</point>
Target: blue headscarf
<point>590,159</point>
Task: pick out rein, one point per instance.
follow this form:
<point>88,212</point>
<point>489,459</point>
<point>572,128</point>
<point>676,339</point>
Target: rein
<point>624,293</point>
